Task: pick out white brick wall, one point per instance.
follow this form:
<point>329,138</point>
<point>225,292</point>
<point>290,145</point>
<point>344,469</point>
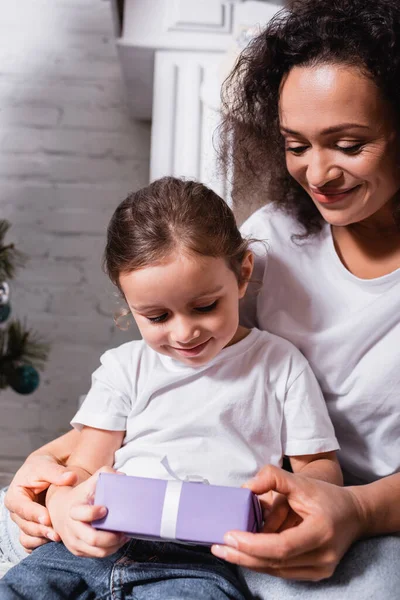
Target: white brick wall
<point>68,154</point>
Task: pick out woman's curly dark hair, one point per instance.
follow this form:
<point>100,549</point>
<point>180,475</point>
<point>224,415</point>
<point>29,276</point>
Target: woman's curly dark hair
<point>361,33</point>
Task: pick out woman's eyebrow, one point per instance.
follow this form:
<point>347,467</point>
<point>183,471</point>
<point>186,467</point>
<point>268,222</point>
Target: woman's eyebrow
<point>333,129</point>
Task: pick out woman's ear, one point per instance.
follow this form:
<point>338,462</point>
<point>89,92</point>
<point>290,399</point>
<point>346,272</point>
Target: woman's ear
<point>246,271</point>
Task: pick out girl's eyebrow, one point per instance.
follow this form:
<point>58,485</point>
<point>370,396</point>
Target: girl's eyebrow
<point>333,129</point>
<point>202,295</point>
<point>210,292</point>
<point>140,308</point>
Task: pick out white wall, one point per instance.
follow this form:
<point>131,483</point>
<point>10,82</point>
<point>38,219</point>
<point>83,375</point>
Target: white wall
<point>68,154</point>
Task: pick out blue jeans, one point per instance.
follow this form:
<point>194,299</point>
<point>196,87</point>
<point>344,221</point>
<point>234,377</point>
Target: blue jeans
<point>139,570</point>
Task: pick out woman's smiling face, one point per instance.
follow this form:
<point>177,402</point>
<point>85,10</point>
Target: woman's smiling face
<point>340,142</point>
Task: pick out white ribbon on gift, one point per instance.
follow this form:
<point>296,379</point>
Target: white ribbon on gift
<point>169,515</point>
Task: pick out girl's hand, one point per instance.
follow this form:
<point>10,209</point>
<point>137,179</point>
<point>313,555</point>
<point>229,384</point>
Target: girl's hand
<point>72,512</point>
<point>330,519</point>
<point>25,496</point>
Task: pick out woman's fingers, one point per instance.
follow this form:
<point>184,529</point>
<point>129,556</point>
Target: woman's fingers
<point>269,546</point>
<point>325,560</point>
<point>313,565</point>
<point>64,477</point>
<point>277,515</point>
<point>31,529</point>
<point>292,520</point>
<point>36,475</point>
<point>271,478</point>
<point>23,509</point>
<point>21,497</point>
<point>30,543</point>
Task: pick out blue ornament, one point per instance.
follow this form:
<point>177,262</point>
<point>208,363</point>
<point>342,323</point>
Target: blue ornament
<point>5,310</point>
<point>23,379</point>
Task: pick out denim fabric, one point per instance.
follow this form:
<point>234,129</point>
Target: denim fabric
<point>10,547</point>
<point>140,570</point>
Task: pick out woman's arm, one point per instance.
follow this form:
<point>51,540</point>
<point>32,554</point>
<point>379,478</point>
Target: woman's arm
<point>61,448</point>
<point>25,495</point>
<point>379,504</point>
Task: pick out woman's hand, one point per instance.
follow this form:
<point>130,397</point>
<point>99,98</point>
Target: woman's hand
<point>72,512</point>
<point>277,514</point>
<point>25,498</point>
<point>330,519</point>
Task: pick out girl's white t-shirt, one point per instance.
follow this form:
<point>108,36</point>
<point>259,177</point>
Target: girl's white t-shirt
<point>348,328</point>
<point>254,402</point>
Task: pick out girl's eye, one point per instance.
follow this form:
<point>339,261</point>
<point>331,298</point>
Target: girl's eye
<point>208,308</point>
<point>350,149</point>
<point>296,150</point>
<point>159,319</point>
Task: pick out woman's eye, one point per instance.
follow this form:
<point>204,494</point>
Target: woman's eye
<point>296,150</point>
<point>159,319</point>
<point>350,149</point>
<point>208,308</point>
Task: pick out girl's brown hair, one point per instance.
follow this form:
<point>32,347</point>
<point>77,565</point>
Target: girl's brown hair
<point>170,215</point>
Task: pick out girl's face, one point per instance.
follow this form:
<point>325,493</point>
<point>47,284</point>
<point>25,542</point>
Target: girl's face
<point>187,307</point>
<point>340,142</point>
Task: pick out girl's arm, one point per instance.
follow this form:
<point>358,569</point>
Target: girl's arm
<point>70,507</point>
<point>95,448</point>
<point>324,466</point>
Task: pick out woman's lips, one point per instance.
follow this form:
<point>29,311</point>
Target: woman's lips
<point>194,351</point>
<point>332,196</point>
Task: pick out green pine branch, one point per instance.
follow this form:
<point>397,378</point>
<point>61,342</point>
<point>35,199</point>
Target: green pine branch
<point>18,344</point>
<point>10,258</point>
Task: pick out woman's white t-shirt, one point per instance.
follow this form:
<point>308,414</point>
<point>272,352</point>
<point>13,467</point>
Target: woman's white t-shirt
<point>348,328</point>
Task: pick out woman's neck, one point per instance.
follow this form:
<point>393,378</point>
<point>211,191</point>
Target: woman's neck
<point>369,249</point>
<point>377,227</point>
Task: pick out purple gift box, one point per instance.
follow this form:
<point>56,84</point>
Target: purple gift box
<point>180,511</point>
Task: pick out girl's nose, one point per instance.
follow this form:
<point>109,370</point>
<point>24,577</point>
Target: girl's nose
<point>184,331</point>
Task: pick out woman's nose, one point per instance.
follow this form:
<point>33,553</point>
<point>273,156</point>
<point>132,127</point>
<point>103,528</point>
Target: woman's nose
<point>321,170</point>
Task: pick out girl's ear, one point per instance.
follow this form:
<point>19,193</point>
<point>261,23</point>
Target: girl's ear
<point>246,271</point>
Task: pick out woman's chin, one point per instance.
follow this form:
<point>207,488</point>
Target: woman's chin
<point>340,218</point>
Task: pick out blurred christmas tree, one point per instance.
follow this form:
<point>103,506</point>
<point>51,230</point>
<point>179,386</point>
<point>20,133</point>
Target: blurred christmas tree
<point>22,351</point>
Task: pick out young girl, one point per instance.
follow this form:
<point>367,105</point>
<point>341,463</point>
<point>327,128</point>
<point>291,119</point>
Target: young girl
<point>217,399</point>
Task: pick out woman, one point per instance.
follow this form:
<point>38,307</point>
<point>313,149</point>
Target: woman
<point>314,112</point>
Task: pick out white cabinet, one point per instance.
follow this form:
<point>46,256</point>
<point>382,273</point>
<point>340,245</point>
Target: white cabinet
<point>183,123</point>
<point>174,55</point>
